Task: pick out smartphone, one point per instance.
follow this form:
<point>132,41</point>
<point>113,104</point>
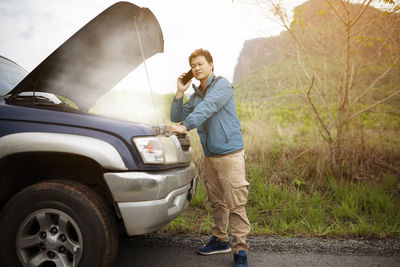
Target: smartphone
<point>187,77</point>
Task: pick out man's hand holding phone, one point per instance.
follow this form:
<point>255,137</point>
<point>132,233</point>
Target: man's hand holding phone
<point>183,83</point>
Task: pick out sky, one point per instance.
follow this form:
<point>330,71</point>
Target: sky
<point>32,30</point>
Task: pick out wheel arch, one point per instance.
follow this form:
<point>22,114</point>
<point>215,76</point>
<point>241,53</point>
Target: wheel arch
<point>100,151</point>
<point>21,170</point>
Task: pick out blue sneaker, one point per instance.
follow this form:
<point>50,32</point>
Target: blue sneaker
<point>240,259</point>
<point>214,247</point>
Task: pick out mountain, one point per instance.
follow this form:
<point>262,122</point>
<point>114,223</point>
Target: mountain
<point>375,36</point>
<point>257,53</point>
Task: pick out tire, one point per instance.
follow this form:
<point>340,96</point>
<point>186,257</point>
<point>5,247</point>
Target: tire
<point>57,223</point>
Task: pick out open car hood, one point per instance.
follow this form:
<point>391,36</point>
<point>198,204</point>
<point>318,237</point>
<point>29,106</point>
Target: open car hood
<point>98,56</point>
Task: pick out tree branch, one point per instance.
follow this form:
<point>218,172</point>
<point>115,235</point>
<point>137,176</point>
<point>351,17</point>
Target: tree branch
<point>351,82</point>
<point>382,45</point>
<point>373,83</point>
<point>316,112</point>
<point>363,27</point>
<point>282,15</point>
<point>357,18</point>
<point>345,7</point>
<point>336,12</point>
<point>374,105</point>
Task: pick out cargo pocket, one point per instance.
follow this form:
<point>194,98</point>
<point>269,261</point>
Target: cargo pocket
<point>240,193</point>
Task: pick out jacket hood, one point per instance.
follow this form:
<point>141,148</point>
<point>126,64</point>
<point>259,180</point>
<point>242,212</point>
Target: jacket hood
<point>98,56</point>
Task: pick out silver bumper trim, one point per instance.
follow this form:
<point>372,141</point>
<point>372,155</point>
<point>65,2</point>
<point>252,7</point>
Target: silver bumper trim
<point>148,216</point>
<point>146,186</point>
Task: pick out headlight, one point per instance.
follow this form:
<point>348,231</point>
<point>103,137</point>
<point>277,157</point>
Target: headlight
<point>150,149</point>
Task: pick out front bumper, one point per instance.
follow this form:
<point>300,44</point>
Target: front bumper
<point>148,201</point>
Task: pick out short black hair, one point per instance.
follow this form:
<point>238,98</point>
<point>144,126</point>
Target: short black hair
<point>201,52</point>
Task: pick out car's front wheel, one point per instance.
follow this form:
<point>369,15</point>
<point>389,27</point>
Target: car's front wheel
<point>57,223</point>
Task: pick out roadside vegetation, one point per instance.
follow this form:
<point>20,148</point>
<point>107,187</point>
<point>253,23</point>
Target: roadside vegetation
<point>293,193</point>
<point>321,124</point>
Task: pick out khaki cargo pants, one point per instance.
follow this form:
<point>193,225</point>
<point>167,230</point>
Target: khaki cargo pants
<point>226,186</point>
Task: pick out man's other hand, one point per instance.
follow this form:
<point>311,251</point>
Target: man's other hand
<point>177,129</point>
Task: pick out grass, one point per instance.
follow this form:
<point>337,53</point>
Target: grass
<point>340,209</point>
<point>292,192</point>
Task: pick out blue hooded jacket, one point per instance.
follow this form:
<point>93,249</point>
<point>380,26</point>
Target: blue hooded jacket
<point>213,114</point>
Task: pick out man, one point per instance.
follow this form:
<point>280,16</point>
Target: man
<point>212,111</point>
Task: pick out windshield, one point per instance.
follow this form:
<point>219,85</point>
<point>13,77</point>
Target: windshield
<point>10,75</point>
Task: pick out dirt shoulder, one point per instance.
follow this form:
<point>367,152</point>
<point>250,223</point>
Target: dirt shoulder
<point>303,245</point>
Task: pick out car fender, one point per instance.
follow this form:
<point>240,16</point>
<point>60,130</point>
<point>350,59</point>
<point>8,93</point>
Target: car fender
<point>98,150</point>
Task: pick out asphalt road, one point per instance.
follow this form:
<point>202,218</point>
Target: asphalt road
<point>176,250</point>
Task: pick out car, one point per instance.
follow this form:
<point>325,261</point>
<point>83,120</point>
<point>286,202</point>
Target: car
<point>73,181</point>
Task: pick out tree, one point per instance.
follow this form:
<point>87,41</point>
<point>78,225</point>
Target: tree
<point>358,34</point>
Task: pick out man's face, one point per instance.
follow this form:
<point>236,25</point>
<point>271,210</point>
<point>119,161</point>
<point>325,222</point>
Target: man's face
<point>201,69</point>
